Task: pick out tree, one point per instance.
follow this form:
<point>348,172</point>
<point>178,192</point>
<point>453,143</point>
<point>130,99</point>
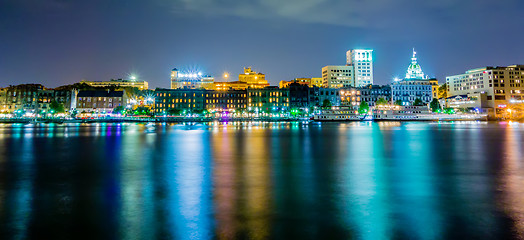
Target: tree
<point>398,102</point>
<point>381,101</point>
<point>326,103</point>
<point>142,110</point>
<point>363,108</point>
<point>174,111</point>
<point>443,91</point>
<point>74,113</point>
<point>434,105</point>
<point>198,111</point>
<point>119,109</point>
<point>418,102</point>
<point>56,107</point>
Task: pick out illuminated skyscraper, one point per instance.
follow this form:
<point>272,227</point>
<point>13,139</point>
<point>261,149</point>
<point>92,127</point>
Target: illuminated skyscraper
<point>362,62</point>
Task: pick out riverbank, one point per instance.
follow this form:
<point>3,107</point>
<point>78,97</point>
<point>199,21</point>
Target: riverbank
<point>144,119</point>
<point>191,119</point>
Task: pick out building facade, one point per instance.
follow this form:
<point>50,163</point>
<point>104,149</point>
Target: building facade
<point>226,100</point>
<point>330,94</point>
<point>409,90</point>
<point>22,97</point>
<point>503,86</point>
<point>269,99</point>
<point>99,102</point>
<point>253,79</point>
<point>362,62</point>
<point>236,85</point>
<point>372,93</point>
<point>350,97</point>
<point>119,83</point>
<point>181,99</point>
<point>338,77</point>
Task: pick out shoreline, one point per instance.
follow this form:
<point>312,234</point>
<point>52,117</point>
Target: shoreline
<point>206,120</point>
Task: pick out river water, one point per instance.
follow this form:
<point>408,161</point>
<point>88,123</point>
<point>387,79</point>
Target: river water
<point>390,180</point>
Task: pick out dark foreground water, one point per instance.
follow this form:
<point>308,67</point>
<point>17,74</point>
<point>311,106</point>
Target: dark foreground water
<point>262,180</point>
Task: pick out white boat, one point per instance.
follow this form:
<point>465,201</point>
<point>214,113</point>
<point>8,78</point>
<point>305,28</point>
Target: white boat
<point>339,114</point>
<point>393,113</point>
<point>418,113</point>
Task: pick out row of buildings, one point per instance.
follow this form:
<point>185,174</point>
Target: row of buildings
<point>36,99</point>
<point>268,99</point>
<point>489,89</point>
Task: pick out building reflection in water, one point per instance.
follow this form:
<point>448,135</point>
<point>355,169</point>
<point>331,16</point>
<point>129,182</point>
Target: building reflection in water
<point>189,185</point>
<point>241,182</point>
<point>512,181</point>
<point>262,180</point>
<point>364,193</point>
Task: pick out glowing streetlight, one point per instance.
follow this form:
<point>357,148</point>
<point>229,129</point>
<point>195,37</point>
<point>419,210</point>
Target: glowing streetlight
<point>133,77</point>
<point>226,75</point>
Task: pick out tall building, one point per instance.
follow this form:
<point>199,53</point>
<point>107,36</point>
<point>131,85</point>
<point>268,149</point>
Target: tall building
<point>415,86</point>
<point>190,80</point>
<point>337,77</point>
<point>253,79</point>
<point>362,62</point>
<point>502,85</point>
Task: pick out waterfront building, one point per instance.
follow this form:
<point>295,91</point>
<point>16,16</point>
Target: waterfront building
<point>99,102</point>
<point>338,77</point>
<point>119,83</point>
<point>253,79</point>
<point>167,100</point>
<point>23,97</point>
<point>3,100</point>
<point>226,101</point>
<point>188,79</point>
<point>301,96</point>
<point>372,93</point>
<point>268,99</point>
<point>408,90</point>
<point>330,94</point>
<point>362,62</point>
<point>64,96</point>
<point>503,86</point>
<point>415,85</point>
<point>350,97</point>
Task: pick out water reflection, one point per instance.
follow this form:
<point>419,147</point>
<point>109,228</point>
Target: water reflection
<point>262,180</point>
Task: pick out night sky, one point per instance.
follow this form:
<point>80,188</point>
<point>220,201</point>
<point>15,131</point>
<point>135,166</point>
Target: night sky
<point>58,42</point>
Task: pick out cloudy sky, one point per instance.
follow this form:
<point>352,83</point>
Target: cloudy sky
<point>57,42</point>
